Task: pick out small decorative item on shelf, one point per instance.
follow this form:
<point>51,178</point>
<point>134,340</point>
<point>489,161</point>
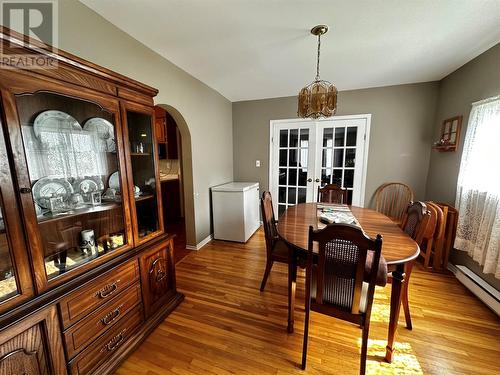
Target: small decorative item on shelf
<point>56,204</point>
<point>88,242</point>
<point>95,198</point>
<point>450,134</point>
<point>116,240</point>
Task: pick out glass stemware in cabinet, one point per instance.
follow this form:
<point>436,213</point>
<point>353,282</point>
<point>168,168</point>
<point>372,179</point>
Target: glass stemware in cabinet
<point>73,165</point>
<point>140,134</point>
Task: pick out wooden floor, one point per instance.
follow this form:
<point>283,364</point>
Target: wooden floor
<point>225,325</point>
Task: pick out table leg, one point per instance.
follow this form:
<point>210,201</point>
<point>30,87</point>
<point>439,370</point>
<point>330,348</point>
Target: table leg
<point>292,283</point>
<point>398,277</point>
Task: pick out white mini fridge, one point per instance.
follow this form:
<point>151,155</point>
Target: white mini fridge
<point>235,210</point>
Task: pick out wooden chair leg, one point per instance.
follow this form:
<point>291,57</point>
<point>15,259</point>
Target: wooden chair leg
<point>269,265</point>
<point>404,297</point>
<point>306,334</point>
<point>364,350</point>
<point>427,255</point>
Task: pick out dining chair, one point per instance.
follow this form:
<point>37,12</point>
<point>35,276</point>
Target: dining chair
<point>392,199</point>
<point>277,250</point>
<point>436,248</point>
<point>332,193</point>
<point>419,223</point>
<point>336,286</point>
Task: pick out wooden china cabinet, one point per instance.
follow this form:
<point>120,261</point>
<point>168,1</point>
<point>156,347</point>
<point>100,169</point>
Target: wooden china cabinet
<point>86,268</point>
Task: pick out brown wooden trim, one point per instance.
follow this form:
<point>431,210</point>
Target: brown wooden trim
<point>53,296</point>
<point>69,59</point>
<point>13,230</point>
<point>135,107</point>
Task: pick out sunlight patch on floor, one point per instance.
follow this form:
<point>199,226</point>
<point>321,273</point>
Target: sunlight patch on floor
<point>404,360</point>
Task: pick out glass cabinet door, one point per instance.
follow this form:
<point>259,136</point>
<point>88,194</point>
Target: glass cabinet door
<point>143,172</point>
<point>15,280</point>
<point>76,181</point>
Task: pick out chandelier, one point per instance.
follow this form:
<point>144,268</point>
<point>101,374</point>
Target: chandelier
<point>319,98</point>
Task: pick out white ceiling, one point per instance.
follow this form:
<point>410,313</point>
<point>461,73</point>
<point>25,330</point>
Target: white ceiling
<point>255,49</point>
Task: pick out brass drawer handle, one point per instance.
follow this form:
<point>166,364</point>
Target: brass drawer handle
<point>114,342</point>
<point>108,290</point>
<point>112,316</point>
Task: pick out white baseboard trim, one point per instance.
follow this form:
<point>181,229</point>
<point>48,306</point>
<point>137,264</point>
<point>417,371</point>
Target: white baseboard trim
<point>201,244</point>
<point>485,292</point>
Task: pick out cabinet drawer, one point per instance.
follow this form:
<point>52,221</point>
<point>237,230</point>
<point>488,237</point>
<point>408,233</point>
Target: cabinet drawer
<point>97,292</point>
<point>104,347</point>
<point>89,328</point>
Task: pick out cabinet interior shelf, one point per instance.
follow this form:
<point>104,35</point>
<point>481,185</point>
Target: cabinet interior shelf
<point>80,211</point>
<point>140,154</point>
<point>144,197</point>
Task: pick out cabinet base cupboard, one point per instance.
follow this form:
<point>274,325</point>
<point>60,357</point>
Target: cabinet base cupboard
<point>86,266</point>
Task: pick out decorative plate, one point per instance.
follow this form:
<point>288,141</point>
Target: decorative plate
<point>114,181</point>
<point>50,187</point>
<point>104,130</point>
<point>88,185</point>
<point>55,121</point>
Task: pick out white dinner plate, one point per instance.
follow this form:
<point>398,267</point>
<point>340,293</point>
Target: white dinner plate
<point>54,121</point>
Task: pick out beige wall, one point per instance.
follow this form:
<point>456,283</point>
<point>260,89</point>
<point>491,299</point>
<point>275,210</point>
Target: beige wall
<point>208,114</point>
<point>400,138</point>
<point>476,80</point>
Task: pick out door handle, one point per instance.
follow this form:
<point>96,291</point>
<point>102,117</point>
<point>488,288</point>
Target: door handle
<point>316,180</point>
<point>309,180</point>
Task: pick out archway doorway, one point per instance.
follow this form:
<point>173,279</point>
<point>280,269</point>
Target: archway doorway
<point>174,148</point>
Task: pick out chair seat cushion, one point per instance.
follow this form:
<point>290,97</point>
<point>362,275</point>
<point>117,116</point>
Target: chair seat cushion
<point>381,272</point>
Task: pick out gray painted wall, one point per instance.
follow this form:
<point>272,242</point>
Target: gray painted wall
<point>208,114</point>
<point>476,80</point>
<point>400,138</point>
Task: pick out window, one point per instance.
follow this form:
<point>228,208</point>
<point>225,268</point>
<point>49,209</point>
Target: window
<point>478,189</point>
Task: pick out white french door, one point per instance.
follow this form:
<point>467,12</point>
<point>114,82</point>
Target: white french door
<point>306,154</point>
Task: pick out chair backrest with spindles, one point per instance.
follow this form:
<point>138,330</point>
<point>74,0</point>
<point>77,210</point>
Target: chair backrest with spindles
<point>332,193</point>
<point>392,199</point>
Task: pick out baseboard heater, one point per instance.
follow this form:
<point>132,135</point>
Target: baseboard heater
<point>484,291</point>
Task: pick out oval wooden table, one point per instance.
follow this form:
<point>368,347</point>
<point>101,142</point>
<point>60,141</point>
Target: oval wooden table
<point>398,249</point>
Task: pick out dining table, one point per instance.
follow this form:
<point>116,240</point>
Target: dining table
<point>398,249</point>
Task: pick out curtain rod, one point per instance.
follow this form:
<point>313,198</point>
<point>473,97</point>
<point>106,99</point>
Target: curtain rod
<point>484,101</point>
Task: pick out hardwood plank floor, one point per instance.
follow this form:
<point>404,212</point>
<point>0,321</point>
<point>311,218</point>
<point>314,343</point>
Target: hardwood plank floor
<point>226,326</point>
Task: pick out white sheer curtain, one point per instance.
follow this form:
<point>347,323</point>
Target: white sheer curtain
<point>478,190</point>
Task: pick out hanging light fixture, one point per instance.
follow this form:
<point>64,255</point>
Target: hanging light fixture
<point>319,98</point>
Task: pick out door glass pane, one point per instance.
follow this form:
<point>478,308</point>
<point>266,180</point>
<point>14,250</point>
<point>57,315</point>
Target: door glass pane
<point>338,161</point>
<point>73,166</point>
<point>327,158</point>
<point>339,137</point>
<point>293,158</point>
<point>283,159</point>
<point>350,157</point>
<point>282,176</point>
<point>337,177</point>
<point>301,197</point>
<point>8,286</point>
<point>281,209</point>
<point>283,138</point>
<point>302,177</point>
<point>140,134</point>
<point>348,178</point>
<point>282,195</point>
<point>304,138</point>
<point>325,176</point>
<point>294,138</point>
<point>328,137</point>
<point>292,176</point>
<point>292,196</point>
<point>352,133</point>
